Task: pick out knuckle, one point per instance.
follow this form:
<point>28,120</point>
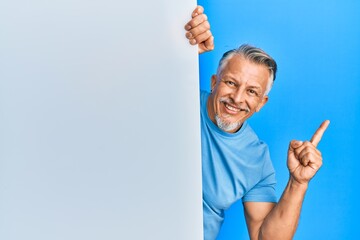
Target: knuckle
<point>308,148</point>
<point>319,161</point>
<point>205,17</point>
<point>208,33</point>
<point>202,17</point>
<point>207,25</point>
<point>203,37</point>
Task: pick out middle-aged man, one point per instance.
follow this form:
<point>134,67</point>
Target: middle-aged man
<point>235,163</point>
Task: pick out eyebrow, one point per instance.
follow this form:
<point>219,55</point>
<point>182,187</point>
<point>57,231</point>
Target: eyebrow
<point>255,87</point>
<point>237,82</point>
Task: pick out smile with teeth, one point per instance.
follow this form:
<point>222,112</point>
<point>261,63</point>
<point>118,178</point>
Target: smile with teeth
<point>231,108</point>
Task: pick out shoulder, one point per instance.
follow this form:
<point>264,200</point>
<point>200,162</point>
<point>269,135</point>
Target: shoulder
<point>251,135</point>
<point>258,148</point>
<point>204,95</point>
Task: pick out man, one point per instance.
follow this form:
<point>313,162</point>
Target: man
<point>235,163</point>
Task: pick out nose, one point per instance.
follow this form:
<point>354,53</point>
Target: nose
<point>239,95</point>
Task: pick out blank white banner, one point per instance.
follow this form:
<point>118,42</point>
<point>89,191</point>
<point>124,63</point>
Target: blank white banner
<point>99,121</point>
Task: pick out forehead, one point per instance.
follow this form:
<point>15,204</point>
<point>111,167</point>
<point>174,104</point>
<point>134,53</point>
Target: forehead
<point>238,66</point>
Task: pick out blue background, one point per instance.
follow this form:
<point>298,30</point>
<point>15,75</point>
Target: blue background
<point>317,47</point>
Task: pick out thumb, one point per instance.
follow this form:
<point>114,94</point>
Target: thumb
<point>294,144</point>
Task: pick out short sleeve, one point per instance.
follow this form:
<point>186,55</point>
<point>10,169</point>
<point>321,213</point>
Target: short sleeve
<point>264,190</point>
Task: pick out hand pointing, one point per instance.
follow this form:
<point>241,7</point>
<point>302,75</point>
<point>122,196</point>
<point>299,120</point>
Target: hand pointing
<point>304,159</point>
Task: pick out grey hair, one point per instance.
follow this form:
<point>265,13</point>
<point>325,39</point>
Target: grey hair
<point>253,54</point>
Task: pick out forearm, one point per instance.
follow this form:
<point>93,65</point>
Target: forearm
<point>282,221</point>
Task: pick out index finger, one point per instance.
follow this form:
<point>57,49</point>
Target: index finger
<point>319,133</point>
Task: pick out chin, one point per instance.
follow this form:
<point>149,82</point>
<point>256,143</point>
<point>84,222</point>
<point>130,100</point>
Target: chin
<point>226,125</point>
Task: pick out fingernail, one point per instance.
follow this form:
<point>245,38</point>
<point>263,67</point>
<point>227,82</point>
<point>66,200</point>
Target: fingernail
<point>187,27</point>
<point>192,41</point>
<point>188,35</point>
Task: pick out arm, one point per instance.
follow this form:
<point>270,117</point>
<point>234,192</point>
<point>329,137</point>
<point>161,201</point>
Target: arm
<point>198,31</point>
<point>270,221</point>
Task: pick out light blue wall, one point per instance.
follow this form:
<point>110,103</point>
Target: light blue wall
<point>317,47</point>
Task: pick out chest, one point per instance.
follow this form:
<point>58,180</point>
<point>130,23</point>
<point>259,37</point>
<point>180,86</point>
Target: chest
<point>229,170</point>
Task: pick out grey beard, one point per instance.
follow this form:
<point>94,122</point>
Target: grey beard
<point>227,127</point>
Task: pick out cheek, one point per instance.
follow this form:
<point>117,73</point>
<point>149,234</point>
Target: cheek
<point>222,89</point>
<point>254,103</point>
<point>215,103</point>
<point>217,96</point>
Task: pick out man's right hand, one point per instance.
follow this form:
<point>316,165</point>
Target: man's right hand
<point>198,31</point>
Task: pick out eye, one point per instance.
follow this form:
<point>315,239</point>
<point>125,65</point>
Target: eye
<point>253,92</point>
<point>230,83</point>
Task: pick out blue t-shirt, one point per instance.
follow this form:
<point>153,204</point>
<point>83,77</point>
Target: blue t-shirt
<point>234,166</point>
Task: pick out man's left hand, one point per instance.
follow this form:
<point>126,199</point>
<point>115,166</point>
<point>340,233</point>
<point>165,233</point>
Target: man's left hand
<point>198,31</point>
<point>304,159</point>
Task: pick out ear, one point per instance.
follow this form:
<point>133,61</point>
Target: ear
<point>213,82</point>
<point>262,103</point>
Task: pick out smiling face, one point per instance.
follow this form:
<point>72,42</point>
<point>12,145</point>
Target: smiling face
<point>237,92</point>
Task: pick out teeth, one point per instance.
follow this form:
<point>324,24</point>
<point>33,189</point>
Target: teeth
<point>232,108</point>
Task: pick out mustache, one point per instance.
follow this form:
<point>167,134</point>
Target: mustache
<point>230,101</point>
